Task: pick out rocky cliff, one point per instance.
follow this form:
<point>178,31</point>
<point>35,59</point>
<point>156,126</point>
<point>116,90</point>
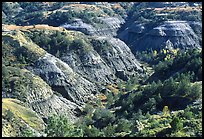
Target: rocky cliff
<point>159,27</point>
<point>177,34</point>
<point>67,53</point>
<point>54,85</point>
<point>103,66</point>
<point>107,27</point>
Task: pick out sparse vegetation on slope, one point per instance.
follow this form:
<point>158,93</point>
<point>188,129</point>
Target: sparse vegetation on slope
<point>66,74</point>
<point>17,117</point>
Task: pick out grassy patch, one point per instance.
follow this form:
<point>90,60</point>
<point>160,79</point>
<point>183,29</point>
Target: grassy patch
<point>19,111</point>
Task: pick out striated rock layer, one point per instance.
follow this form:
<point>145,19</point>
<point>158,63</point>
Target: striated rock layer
<point>63,85</point>
<point>102,67</point>
<point>109,26</point>
<point>177,34</point>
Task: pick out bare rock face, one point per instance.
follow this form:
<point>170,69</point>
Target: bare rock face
<point>79,25</point>
<point>167,4</point>
<point>39,96</point>
<point>62,79</point>
<point>112,25</point>
<point>177,34</point>
<point>73,90</point>
<point>90,65</point>
<point>126,58</point>
<point>56,105</point>
<point>37,93</point>
<point>50,85</point>
<point>77,76</point>
<point>109,26</point>
<point>102,66</point>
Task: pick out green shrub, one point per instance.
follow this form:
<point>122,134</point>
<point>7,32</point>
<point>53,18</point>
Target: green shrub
<point>176,124</point>
<point>9,115</point>
<point>60,126</point>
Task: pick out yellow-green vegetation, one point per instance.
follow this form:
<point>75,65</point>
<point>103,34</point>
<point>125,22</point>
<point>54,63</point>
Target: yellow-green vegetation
<point>8,130</point>
<point>163,101</point>
<point>27,43</point>
<point>178,124</point>
<point>25,86</point>
<point>199,83</point>
<point>166,111</point>
<point>19,111</point>
<point>49,30</point>
<point>19,50</point>
<point>153,125</point>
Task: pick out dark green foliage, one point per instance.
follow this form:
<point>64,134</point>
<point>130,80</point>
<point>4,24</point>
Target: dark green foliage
<point>88,120</point>
<point>155,96</point>
<point>187,62</point>
<point>15,55</point>
<point>31,6</point>
<point>60,43</point>
<point>109,130</point>
<point>15,83</point>
<point>123,126</point>
<point>102,118</point>
<point>155,125</point>
<point>59,18</point>
<point>60,126</point>
<point>101,46</point>
<point>27,133</point>
<point>110,99</point>
<point>188,114</point>
<point>87,17</point>
<point>134,111</point>
<point>176,124</point>
<point>10,10</point>
<point>91,131</point>
<point>108,11</point>
<point>57,5</point>
<point>140,13</point>
<point>120,12</point>
<point>88,109</point>
<point>56,46</point>
<point>9,115</point>
<point>32,13</point>
<point>77,44</point>
<point>138,115</point>
<point>150,105</point>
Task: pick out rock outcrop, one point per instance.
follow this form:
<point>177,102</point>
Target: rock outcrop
<point>177,34</point>
<point>51,85</point>
<point>57,105</point>
<point>108,27</point>
<point>62,79</point>
<point>38,95</point>
<point>167,4</point>
<point>102,66</point>
<point>48,85</point>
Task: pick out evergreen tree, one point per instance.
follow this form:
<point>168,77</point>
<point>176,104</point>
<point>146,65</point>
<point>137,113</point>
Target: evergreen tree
<point>60,126</point>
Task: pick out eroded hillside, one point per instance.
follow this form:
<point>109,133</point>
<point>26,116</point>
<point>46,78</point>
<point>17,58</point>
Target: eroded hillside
<point>101,69</point>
